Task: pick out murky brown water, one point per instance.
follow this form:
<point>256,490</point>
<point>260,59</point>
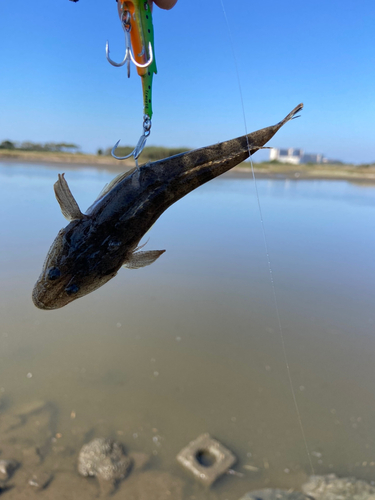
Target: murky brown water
<point>191,344</point>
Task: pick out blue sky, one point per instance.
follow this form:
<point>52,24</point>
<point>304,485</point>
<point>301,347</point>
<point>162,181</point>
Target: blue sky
<point>56,85</point>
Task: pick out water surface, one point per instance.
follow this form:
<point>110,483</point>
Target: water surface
<point>192,344</point>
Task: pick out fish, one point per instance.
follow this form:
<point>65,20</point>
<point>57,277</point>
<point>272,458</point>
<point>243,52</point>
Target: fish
<point>93,247</point>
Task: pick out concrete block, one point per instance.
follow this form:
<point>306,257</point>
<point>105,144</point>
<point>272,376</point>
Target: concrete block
<point>206,459</point>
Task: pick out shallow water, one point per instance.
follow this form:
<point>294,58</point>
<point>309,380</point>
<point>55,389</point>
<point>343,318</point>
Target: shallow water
<point>192,344</point>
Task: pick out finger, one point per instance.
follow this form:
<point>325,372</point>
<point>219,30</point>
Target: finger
<point>165,4</point>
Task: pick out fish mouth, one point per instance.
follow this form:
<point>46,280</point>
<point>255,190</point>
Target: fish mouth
<point>37,302</point>
<point>41,305</point>
<point>40,299</point>
<point>47,297</point>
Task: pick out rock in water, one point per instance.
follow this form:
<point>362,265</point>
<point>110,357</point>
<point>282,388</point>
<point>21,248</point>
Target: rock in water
<point>331,487</point>
<point>7,467</point>
<point>270,494</point>
<point>105,459</point>
<point>40,480</point>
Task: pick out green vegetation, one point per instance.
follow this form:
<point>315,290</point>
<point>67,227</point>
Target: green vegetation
<point>272,162</point>
<point>7,145</point>
<point>337,170</point>
<point>52,147</point>
<point>367,165</point>
<point>150,153</point>
<point>305,167</point>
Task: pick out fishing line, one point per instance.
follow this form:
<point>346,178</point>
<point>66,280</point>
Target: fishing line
<point>270,270</point>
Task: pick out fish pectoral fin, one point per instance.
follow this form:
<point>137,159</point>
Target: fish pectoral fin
<point>69,206</point>
<point>143,259</point>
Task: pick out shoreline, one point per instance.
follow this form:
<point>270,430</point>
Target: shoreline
<point>261,170</point>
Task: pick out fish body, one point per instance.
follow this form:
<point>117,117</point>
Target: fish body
<point>91,249</point>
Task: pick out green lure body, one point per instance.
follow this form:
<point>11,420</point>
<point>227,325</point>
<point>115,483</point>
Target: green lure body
<point>142,40</point>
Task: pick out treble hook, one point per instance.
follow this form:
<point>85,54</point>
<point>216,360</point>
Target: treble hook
<point>140,145</point>
<point>142,38</point>
<point>126,26</point>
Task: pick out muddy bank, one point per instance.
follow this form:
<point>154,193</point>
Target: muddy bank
<point>69,159</point>
<point>314,172</point>
<point>262,170</point>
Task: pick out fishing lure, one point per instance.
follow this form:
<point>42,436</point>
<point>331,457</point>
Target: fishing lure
<point>136,21</point>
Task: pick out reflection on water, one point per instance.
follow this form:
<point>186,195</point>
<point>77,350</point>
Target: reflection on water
<point>191,344</point>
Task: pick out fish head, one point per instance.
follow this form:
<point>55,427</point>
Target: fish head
<point>79,261</point>
<point>88,252</point>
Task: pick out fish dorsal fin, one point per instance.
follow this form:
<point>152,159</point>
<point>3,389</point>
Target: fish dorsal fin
<point>143,259</point>
<point>69,206</point>
<point>116,180</point>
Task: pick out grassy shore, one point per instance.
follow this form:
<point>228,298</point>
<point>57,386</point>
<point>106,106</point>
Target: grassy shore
<point>79,159</point>
<point>364,173</point>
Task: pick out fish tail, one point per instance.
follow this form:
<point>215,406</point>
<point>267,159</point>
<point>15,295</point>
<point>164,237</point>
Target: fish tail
<point>292,114</point>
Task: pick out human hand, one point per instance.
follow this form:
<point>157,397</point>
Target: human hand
<point>163,4</point>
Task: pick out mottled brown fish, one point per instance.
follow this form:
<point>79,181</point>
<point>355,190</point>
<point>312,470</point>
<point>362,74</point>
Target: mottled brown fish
<point>90,250</point>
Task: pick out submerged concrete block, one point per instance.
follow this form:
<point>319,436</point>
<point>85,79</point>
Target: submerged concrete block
<point>206,459</point>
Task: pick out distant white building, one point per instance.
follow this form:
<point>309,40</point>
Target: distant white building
<point>295,156</point>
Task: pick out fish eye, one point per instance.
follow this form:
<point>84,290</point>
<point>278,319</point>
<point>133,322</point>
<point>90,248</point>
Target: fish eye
<point>72,289</point>
<point>114,245</point>
<point>53,273</point>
